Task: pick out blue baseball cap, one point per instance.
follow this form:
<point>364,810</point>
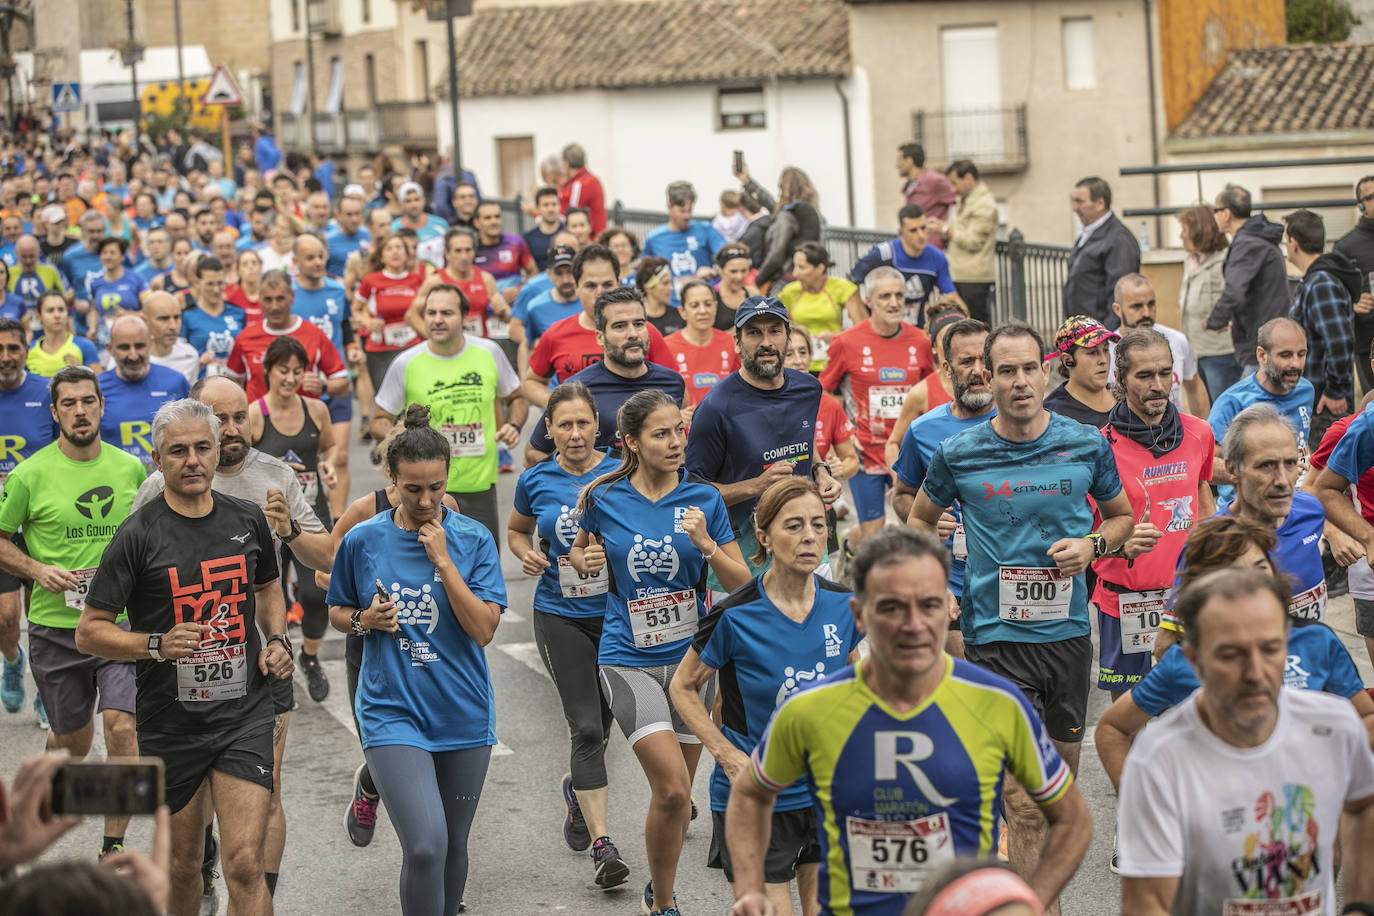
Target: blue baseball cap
<point>759,306</point>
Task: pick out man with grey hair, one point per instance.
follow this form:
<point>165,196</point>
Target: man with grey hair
<point>582,188</point>
<point>68,498</point>
<point>1262,454</point>
<point>1256,287</point>
<point>1134,304</point>
<point>80,265</point>
<point>135,388</point>
<point>1281,352</point>
<point>688,245</point>
<point>197,572</point>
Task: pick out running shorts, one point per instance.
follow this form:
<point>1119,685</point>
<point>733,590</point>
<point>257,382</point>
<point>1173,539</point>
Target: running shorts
<point>1052,675</point>
<point>869,491</point>
<point>244,753</point>
<point>71,682</point>
<point>1117,670</point>
<point>793,842</point>
<point>639,701</point>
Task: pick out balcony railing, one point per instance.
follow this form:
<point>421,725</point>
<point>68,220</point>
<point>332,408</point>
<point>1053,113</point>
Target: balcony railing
<point>993,138</point>
<point>407,123</point>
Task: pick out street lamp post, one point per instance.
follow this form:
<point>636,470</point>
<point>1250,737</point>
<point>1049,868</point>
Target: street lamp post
<point>131,53</point>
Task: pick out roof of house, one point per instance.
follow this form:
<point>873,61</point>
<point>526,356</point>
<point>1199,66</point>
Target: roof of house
<point>529,50</point>
<point>1298,89</point>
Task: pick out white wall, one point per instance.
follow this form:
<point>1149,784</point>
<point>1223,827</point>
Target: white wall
<point>639,140</point>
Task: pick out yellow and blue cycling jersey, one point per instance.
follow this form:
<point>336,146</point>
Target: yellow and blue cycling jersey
<point>898,795</point>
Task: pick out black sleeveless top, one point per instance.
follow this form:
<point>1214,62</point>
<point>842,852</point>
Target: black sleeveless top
<point>301,450</point>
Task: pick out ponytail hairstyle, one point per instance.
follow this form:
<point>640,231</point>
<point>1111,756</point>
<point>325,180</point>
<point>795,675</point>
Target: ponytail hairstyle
<point>418,441</point>
<point>629,423</point>
<point>777,496</point>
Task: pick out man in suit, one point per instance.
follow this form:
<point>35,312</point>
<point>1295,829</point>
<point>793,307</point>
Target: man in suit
<point>1104,253</point>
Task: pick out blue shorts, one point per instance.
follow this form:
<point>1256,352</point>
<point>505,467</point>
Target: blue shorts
<point>868,490</point>
<point>1117,670</point>
<point>340,408</point>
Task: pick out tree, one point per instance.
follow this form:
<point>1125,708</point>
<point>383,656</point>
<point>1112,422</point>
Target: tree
<point>1319,21</point>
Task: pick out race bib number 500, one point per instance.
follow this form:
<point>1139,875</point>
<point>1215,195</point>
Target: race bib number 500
<point>1031,594</point>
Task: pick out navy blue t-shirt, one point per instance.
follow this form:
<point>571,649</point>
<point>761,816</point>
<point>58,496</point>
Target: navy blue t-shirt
<point>739,430</point>
<point>611,391</point>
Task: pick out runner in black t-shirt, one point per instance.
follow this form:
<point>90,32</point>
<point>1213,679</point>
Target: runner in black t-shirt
<point>197,572</point>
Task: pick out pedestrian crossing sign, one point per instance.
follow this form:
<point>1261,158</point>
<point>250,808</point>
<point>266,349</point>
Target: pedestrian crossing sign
<point>66,97</point>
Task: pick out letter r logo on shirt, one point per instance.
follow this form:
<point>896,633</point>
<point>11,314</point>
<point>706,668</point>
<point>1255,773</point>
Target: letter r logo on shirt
<point>917,747</point>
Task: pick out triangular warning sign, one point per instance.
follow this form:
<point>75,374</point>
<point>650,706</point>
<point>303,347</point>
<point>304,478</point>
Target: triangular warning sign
<point>222,89</point>
<point>67,99</point>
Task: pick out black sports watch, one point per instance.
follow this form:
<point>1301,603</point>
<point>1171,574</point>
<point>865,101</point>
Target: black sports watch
<point>155,647</point>
<point>356,619</point>
<point>1100,546</point>
<point>295,532</point>
<point>281,638</point>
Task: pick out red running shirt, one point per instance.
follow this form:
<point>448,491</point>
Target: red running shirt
<point>1364,487</point>
<point>874,373</point>
<point>567,348</point>
<point>478,300</point>
<point>831,426</point>
<point>1170,485</point>
<point>245,356</point>
<point>252,309</point>
<point>388,297</point>
<point>702,367</point>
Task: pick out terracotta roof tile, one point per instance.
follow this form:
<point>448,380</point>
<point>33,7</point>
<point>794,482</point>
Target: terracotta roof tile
<point>1287,90</point>
<point>530,50</point>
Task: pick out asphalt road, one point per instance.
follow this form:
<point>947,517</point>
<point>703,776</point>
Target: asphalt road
<point>519,863</point>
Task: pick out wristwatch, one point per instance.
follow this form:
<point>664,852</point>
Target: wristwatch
<point>155,647</point>
<point>356,618</point>
<point>295,533</point>
<point>281,638</point>
<point>1100,546</point>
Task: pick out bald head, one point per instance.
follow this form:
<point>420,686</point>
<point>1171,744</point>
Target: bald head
<point>162,314</point>
<point>227,401</point>
<point>129,345</point>
<point>1278,328</point>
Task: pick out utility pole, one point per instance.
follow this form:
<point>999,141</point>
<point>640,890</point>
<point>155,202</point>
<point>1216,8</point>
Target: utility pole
<point>181,69</point>
<point>453,92</point>
<point>133,53</point>
<point>309,75</point>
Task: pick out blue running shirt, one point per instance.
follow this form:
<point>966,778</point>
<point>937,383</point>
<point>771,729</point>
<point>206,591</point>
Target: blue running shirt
<point>548,494</point>
<point>340,245</point>
<point>428,685</point>
<point>129,407</point>
<point>1018,499</point>
<point>544,312</point>
<point>763,656</point>
<point>1296,405</point>
<point>657,577</point>
<point>213,334</point>
<point>326,308</point>
<point>26,423</point>
<point>686,251</point>
<point>919,442</point>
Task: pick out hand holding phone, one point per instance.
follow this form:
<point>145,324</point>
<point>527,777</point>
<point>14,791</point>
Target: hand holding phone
<point>108,787</point>
<point>739,163</point>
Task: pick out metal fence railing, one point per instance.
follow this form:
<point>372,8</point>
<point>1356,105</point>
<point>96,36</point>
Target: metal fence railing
<point>1030,275</point>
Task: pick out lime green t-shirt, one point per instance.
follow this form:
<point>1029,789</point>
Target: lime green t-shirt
<point>461,393</point>
<point>68,510</point>
<point>818,312</point>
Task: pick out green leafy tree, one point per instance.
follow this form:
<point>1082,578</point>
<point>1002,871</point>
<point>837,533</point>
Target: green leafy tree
<point>1319,21</point>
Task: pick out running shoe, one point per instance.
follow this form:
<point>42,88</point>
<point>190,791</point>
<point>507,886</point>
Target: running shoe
<point>317,684</point>
<point>40,711</point>
<point>361,820</point>
<point>503,460</point>
<point>610,869</point>
<point>117,847</point>
<point>694,808</point>
<point>12,684</point>
<point>209,897</point>
<point>295,614</point>
<point>575,832</point>
<point>646,904</point>
<point>1112,866</point>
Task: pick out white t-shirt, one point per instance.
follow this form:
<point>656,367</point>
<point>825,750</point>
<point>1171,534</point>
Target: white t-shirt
<point>1244,827</point>
<point>1185,364</point>
<point>183,359</point>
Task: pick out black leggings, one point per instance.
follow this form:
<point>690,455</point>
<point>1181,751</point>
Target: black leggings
<point>568,646</point>
<point>432,798</point>
<point>315,623</point>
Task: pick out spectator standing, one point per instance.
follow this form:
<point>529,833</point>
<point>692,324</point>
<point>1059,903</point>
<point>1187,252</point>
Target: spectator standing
<point>755,234</point>
<point>971,240</point>
<point>1329,288</point>
<point>539,237</point>
<point>687,245</point>
<point>1256,281</point>
<point>1358,246</point>
<point>730,221</point>
<point>1104,253</point>
<point>927,188</point>
<point>1203,282</point>
<point>446,183</point>
<point>924,268</point>
<point>794,220</point>
<point>582,188</point>
<point>266,154</point>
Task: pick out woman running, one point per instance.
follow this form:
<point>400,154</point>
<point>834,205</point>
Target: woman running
<point>782,630</point>
<point>423,586</point>
<point>655,285</point>
<point>380,305</point>
<point>569,610</point>
<point>734,263</point>
<point>246,293</point>
<point>657,531</point>
<point>703,355</point>
<point>296,429</point>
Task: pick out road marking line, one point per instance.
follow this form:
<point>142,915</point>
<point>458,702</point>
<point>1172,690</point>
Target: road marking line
<point>527,654</point>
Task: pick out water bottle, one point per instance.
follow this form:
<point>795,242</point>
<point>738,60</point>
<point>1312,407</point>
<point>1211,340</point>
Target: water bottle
<point>1144,236</point>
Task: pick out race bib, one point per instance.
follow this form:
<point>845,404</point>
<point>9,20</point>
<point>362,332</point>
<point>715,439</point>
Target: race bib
<point>885,401</point>
<point>1309,904</point>
<point>397,334</point>
<point>76,597</point>
<point>1311,604</point>
<point>820,351</point>
<point>959,543</point>
<point>497,328</point>
<point>213,674</point>
<point>580,585</point>
<point>1141,613</point>
<point>1031,594</point>
<point>894,857</point>
<point>663,618</point>
<point>465,440</point>
<point>310,484</point>
<point>216,367</point>
<point>473,326</point>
